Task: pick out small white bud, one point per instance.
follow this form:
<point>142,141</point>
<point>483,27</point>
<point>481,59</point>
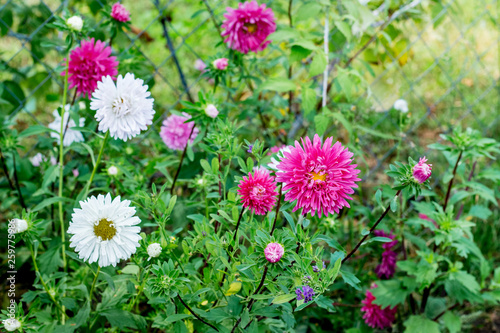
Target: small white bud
<point>401,105</point>
<point>211,111</point>
<point>19,225</point>
<point>154,250</point>
<point>75,23</point>
<point>12,324</point>
<point>112,170</point>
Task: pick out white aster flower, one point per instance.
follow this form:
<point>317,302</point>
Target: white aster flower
<point>154,250</point>
<point>75,23</point>
<point>37,159</point>
<point>401,105</point>
<point>275,162</point>
<point>11,324</point>
<point>104,230</point>
<point>19,225</point>
<point>125,109</point>
<point>70,135</point>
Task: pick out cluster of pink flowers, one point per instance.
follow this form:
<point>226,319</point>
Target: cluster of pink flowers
<point>319,176</point>
<point>120,13</point>
<point>258,192</point>
<point>247,27</point>
<point>176,132</point>
<point>387,266</point>
<point>422,171</point>
<point>374,315</point>
<point>88,64</point>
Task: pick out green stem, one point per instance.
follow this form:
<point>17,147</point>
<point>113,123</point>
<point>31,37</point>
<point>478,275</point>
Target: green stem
<point>61,169</point>
<point>87,188</point>
<point>43,282</point>
<point>94,282</point>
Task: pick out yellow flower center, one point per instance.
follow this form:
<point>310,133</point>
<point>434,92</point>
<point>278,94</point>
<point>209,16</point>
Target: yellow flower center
<point>105,229</point>
<point>251,27</point>
<point>318,176</point>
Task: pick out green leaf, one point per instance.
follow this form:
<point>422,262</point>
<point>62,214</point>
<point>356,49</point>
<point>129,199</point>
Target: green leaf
<point>394,205</point>
<point>344,28</point>
<point>307,11</point>
<point>325,303</point>
<point>390,293</point>
<point>340,117</point>
<point>283,298</point>
<point>318,64</point>
<point>350,279</point>
<point>172,318</point>
<point>124,319</point>
<point>308,100</point>
<point>284,34</point>
<point>452,322</point>
<point>320,124</point>
<point>376,133</point>
<point>279,85</point>
<point>50,201</point>
<point>35,129</point>
<point>419,324</point>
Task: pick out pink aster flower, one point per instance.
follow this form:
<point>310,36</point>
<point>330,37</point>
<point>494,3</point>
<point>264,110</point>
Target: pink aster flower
<point>175,132</point>
<point>388,245</point>
<point>387,266</point>
<point>247,27</point>
<point>258,192</point>
<point>274,252</point>
<point>221,63</point>
<point>88,63</point>
<point>422,171</point>
<point>320,177</point>
<point>374,315</point>
<point>120,13</point>
<point>274,149</point>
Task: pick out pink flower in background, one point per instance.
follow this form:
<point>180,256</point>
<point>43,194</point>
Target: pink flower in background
<point>427,218</point>
<point>258,192</point>
<point>175,132</point>
<point>120,13</point>
<point>76,173</point>
<point>374,315</point>
<point>387,266</point>
<point>274,149</point>
<point>422,171</point>
<point>320,177</point>
<point>88,63</point>
<point>221,63</point>
<point>247,27</point>
<point>274,252</point>
<point>200,65</point>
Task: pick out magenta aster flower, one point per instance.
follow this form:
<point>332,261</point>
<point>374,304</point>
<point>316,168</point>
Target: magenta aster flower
<point>374,315</point>
<point>388,245</point>
<point>387,266</point>
<point>258,192</point>
<point>120,13</point>
<point>319,177</point>
<point>422,171</point>
<point>88,63</point>
<point>274,252</point>
<point>247,27</point>
<point>175,132</point>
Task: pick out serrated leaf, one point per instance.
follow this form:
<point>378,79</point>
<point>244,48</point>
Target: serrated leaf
<point>279,85</point>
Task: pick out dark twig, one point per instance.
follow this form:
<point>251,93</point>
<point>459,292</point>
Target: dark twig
<point>16,180</point>
<point>238,223</point>
<point>371,230</point>
<point>194,314</point>
<point>170,46</point>
<point>442,313</point>
<point>277,208</point>
<point>450,184</point>
<point>6,170</point>
<point>250,304</point>
<point>180,162</point>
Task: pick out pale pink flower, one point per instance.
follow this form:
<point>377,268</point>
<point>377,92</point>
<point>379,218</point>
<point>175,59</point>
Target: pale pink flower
<point>76,173</point>
<point>247,27</point>
<point>319,176</point>
<point>274,252</point>
<point>200,65</point>
<point>120,13</point>
<point>258,192</point>
<point>176,132</point>
<point>422,171</point>
<point>88,63</point>
<point>374,315</point>
<point>211,111</point>
<point>221,63</point>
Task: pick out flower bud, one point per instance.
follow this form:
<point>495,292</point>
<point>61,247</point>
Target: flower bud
<point>120,13</point>
<point>211,111</point>
<point>112,170</point>
<point>422,171</point>
<point>220,64</point>
<point>18,225</point>
<point>75,23</point>
<point>274,252</point>
<point>401,105</point>
<point>11,324</point>
<point>154,250</point>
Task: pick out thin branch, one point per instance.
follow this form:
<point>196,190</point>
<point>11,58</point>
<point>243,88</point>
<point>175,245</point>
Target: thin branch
<point>371,230</point>
<point>194,314</point>
<point>170,46</point>
<point>450,184</point>
<point>182,159</point>
<point>277,209</point>
<point>6,170</point>
<point>16,180</point>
